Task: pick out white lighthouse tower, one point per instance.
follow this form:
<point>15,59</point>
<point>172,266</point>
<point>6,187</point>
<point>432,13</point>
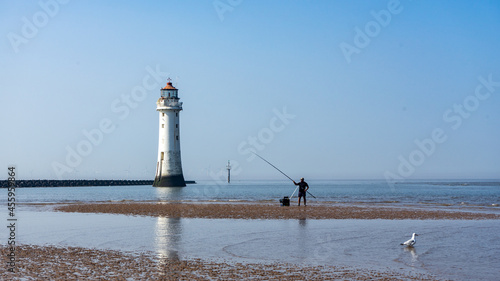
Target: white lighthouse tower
<point>169,167</point>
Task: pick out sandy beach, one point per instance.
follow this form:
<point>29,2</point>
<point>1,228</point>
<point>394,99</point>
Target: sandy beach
<point>74,263</point>
<point>268,211</point>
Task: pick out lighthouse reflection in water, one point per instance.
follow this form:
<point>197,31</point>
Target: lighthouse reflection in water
<point>168,231</point>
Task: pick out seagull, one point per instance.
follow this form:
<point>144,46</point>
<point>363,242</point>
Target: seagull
<point>410,242</point>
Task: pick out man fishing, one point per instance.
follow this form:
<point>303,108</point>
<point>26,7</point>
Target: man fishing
<point>303,187</point>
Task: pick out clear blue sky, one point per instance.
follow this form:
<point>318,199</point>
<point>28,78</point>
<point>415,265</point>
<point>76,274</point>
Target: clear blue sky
<point>356,84</point>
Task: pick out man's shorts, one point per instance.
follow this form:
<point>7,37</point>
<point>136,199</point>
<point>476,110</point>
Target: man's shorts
<point>302,194</point>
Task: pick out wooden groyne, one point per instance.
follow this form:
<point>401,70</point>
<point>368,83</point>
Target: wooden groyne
<point>67,183</point>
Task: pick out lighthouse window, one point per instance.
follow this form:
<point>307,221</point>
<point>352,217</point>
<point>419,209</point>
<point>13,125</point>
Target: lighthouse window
<point>177,137</point>
<point>176,114</point>
<point>177,125</point>
<point>163,125</point>
<point>163,114</point>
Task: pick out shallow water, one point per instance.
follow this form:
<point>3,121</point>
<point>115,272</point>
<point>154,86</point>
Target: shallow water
<point>458,250</point>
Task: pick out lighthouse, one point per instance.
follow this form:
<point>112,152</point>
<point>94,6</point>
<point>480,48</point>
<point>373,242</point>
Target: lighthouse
<point>168,166</point>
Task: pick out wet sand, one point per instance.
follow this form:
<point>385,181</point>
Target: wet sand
<point>74,263</point>
<point>268,211</point>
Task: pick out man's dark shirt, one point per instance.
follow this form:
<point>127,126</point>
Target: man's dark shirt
<point>302,187</point>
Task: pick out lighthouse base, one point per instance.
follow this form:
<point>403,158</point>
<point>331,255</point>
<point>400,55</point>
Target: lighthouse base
<point>170,181</point>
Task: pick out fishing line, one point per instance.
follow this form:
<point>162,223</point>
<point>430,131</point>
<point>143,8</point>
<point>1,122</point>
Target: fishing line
<point>279,171</point>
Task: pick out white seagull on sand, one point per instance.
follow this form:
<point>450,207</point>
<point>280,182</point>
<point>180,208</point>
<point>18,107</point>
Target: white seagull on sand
<point>410,242</point>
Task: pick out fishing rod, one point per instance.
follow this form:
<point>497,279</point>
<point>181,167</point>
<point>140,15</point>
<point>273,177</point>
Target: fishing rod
<point>294,192</point>
<point>280,172</point>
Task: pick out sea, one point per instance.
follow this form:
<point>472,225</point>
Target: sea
<point>444,192</point>
<point>445,249</point>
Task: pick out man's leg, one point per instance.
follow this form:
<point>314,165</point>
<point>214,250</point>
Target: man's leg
<point>305,200</point>
<point>299,200</point>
